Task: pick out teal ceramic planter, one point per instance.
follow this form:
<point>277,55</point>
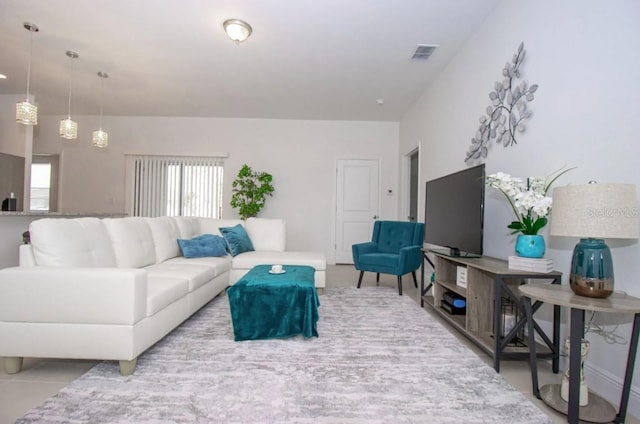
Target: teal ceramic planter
<point>530,246</point>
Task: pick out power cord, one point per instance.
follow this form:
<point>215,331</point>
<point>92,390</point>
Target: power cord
<point>609,336</point>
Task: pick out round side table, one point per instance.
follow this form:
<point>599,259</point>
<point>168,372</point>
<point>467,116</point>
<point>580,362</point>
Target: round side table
<point>562,295</point>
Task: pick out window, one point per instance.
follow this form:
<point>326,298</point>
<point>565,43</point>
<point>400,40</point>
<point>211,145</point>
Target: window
<point>177,186</point>
<point>44,171</point>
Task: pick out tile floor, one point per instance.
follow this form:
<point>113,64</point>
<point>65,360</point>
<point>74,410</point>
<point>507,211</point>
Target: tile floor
<point>41,379</point>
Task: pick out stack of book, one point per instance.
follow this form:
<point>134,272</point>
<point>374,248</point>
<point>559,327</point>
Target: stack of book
<point>531,264</point>
<point>454,303</point>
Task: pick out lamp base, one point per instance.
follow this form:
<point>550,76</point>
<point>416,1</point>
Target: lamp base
<point>592,269</point>
<point>591,287</point>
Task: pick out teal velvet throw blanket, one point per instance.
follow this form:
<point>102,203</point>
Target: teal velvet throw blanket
<point>265,306</point>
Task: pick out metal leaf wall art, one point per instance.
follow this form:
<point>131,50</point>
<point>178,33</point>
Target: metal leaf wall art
<point>507,112</point>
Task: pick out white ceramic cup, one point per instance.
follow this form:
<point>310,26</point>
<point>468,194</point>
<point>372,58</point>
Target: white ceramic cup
<point>276,269</point>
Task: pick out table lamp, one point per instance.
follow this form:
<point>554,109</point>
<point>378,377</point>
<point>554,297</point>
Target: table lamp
<point>594,212</point>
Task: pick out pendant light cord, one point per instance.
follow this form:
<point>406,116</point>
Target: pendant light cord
<point>29,64</point>
<point>101,99</point>
<point>70,80</point>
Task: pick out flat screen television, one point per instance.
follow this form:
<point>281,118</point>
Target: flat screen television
<point>454,212</point>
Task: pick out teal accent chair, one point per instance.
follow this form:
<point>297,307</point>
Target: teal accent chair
<point>395,248</point>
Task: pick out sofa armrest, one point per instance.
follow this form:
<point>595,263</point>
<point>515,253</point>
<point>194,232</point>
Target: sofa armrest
<point>362,249</point>
<point>73,295</point>
<point>410,258</point>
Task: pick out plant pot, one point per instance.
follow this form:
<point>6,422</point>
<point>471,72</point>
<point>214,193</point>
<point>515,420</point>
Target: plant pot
<point>530,246</point>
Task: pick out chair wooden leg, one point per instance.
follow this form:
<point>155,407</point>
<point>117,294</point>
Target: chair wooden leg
<point>377,279</point>
<point>400,285</point>
<point>360,279</point>
<point>415,280</point>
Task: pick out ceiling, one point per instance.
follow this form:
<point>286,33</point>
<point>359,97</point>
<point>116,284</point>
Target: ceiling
<point>306,59</point>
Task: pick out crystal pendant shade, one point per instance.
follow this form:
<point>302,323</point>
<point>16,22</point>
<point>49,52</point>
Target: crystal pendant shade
<point>100,139</point>
<point>68,129</point>
<point>26,113</point>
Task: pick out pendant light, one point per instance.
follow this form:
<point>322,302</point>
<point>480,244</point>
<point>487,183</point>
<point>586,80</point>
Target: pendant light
<point>26,113</point>
<point>69,128</point>
<point>101,138</point>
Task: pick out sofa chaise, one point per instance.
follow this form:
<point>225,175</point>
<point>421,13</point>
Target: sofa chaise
<point>108,289</point>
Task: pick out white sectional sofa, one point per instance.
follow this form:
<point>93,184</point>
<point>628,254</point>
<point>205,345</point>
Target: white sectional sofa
<point>90,288</point>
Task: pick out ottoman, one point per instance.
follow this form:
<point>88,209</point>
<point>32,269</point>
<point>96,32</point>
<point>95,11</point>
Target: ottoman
<point>265,305</point>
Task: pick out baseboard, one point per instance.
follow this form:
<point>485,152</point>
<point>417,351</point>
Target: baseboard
<point>609,387</point>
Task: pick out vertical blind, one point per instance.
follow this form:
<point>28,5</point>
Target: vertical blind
<point>177,186</point>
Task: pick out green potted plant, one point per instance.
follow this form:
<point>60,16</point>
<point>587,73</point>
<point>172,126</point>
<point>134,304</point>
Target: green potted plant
<point>250,190</point>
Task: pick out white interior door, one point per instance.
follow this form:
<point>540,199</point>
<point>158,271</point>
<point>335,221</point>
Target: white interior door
<point>357,204</point>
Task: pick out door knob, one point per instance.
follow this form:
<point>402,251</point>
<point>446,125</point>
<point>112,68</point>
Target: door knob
<point>375,216</point>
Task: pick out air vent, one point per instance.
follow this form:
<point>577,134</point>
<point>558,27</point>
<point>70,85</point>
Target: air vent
<point>424,51</point>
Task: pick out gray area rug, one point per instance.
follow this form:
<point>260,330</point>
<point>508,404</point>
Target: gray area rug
<point>379,359</point>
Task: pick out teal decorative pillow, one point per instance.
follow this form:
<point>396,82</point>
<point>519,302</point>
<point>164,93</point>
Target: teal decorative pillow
<point>203,246</point>
<point>237,239</point>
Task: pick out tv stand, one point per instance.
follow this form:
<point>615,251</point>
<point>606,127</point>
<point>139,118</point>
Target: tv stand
<point>453,252</point>
<point>488,282</point>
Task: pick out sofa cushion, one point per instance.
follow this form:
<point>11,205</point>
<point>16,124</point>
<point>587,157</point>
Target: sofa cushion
<point>77,242</point>
<point>394,235</point>
<point>196,275</point>
<point>203,246</point>
<point>188,226</point>
<point>267,234</point>
<point>163,291</point>
<point>212,226</point>
<point>248,260</point>
<point>131,240</point>
<point>165,232</point>
<point>218,264</point>
<point>237,239</point>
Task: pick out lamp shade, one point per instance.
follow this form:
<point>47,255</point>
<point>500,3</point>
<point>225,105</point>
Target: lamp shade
<point>26,113</point>
<point>595,211</point>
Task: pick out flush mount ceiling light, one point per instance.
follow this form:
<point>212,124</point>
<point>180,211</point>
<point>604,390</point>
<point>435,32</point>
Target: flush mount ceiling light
<point>237,30</point>
<point>69,128</point>
<point>26,113</point>
<point>101,138</point>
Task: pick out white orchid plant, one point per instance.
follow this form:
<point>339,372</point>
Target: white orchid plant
<point>528,199</point>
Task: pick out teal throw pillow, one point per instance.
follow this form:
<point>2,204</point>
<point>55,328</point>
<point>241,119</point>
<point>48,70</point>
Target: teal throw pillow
<point>237,239</point>
<point>203,246</point>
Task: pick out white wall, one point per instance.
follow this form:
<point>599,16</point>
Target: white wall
<point>16,139</point>
<point>584,55</point>
<point>301,156</point>
<point>12,135</point>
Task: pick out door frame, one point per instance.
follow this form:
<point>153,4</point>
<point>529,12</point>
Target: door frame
<point>406,185</point>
